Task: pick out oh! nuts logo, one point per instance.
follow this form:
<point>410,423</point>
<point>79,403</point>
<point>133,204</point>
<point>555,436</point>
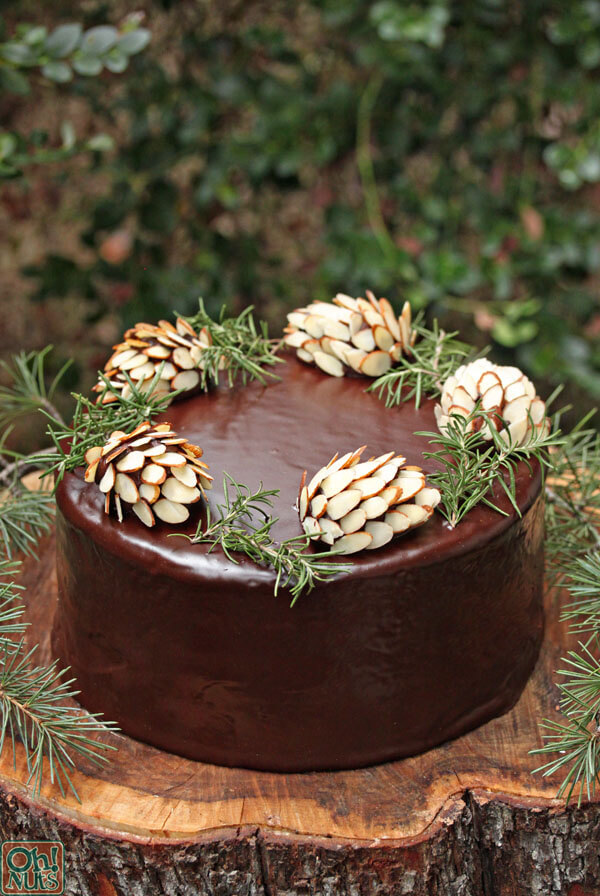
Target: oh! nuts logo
<point>33,867</point>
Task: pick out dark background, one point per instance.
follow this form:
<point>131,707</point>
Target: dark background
<point>272,153</point>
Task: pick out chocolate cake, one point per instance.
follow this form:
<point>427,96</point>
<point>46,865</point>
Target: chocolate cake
<point>421,640</point>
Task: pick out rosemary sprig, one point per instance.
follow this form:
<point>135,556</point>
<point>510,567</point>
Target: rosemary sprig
<point>236,531</point>
<point>433,358</point>
<point>470,470</point>
<point>25,391</point>
<point>239,347</point>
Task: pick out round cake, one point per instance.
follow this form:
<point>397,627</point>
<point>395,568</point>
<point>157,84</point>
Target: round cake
<point>420,641</point>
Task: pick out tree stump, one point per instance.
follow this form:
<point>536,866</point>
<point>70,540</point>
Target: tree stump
<point>466,819</point>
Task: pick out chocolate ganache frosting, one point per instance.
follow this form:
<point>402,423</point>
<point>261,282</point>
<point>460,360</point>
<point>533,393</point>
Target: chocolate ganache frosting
<point>422,640</point>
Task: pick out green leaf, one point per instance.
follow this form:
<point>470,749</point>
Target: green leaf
<point>116,61</point>
<point>8,144</point>
<point>34,34</point>
<point>13,82</point>
<point>100,143</point>
<point>17,53</point>
<point>87,65</point>
<point>99,40</point>
<point>59,72</point>
<point>63,40</point>
<point>67,133</point>
<point>134,41</point>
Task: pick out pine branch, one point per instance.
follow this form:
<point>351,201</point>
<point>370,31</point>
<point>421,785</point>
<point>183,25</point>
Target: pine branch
<point>236,531</point>
<point>474,471</point>
<point>239,347</point>
<point>433,358</point>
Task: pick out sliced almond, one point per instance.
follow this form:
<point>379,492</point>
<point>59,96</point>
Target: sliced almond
<point>170,459</point>
<point>376,364</point>
<point>391,321</point>
<point>537,411</point>
<point>353,543</point>
<point>144,372</point>
<point>353,521</point>
<point>167,370</point>
<point>311,527</point>
<point>145,440</point>
<point>381,532</point>
<point>355,357</point>
<point>186,380</point>
<point>368,467</point>
<point>153,474</point>
<point>90,473</point>
<point>303,502</point>
<point>183,359</point>
<point>330,530</point>
<point>122,357</point>
<point>370,486</point>
<point>316,480</point>
<point>304,356</point>
<point>416,514</point>
<point>119,508</point>
<point>410,485</point>
<point>170,512</point>
<point>364,340</point>
<point>346,301</point>
<point>126,488</point>
<point>154,451</point>
<point>516,409</point>
<point>297,318</point>
<point>329,364</point>
<point>383,338</point>
<point>149,493</point>
<point>428,496</point>
<point>176,491</point>
<point>374,507</point>
<point>186,475</point>
<point>108,480</point>
<point>461,397</point>
<point>342,504</point>
<point>157,352</point>
<point>296,339</point>
<point>492,397</point>
<point>93,454</point>
<point>516,431</point>
<point>314,326</point>
<point>336,482</point>
<point>487,380</point>
<point>144,513</point>
<point>337,330</point>
<point>184,328</point>
<point>134,361</point>
<point>391,495</point>
<point>399,521</point>
<point>318,506</point>
<point>132,461</point>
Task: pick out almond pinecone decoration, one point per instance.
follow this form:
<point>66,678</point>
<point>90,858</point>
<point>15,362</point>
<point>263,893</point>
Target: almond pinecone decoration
<point>145,348</point>
<point>350,334</point>
<point>506,395</point>
<point>152,469</point>
<point>361,506</point>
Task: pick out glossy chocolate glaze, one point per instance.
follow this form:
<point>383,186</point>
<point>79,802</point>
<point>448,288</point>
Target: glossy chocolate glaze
<point>424,639</point>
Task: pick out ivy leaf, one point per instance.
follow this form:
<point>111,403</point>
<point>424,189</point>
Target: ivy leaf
<point>63,40</point>
<point>56,71</point>
<point>134,41</point>
<point>99,40</point>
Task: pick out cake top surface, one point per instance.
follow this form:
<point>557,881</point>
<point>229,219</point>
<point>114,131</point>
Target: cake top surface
<point>272,433</point>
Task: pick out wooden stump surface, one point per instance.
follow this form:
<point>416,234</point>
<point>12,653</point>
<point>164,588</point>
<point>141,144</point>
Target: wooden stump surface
<point>465,818</point>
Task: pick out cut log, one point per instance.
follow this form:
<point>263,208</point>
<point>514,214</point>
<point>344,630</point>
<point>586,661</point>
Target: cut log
<point>466,819</point>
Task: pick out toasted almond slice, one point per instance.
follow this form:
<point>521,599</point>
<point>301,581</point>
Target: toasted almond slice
<point>296,339</point>
<point>165,340</point>
<point>119,508</point>
<point>140,430</point>
<point>318,506</point>
<point>90,473</point>
<point>305,356</point>
<point>469,385</point>
<point>335,329</point>
<point>145,440</point>
<point>93,454</point>
<point>374,507</point>
<point>154,450</point>
<point>149,493</point>
<point>355,456</point>
<point>330,530</point>
<point>158,352</point>
<point>391,495</point>
<point>351,544</point>
<point>303,502</point>
<point>399,521</point>
<point>381,532</point>
<point>417,515</point>
<point>355,357</point>
<point>368,467</point>
<point>107,502</point>
<point>395,352</point>
<point>338,349</point>
<point>516,431</point>
<point>170,459</point>
<point>458,410</point>
<point>131,462</point>
<point>516,409</point>
<point>339,463</point>
<point>336,482</point>
<point>316,480</point>
<point>196,353</point>
<point>370,486</point>
<point>412,468</point>
<point>204,481</point>
<point>355,323</point>
<point>176,491</point>
<point>108,480</point>
<point>428,496</point>
<point>353,521</point>
<point>388,471</point>
<point>117,452</point>
<point>376,364</point>
<point>383,338</point>
<point>311,346</point>
<point>391,321</point>
<point>153,474</point>
<point>136,360</point>
<point>345,301</point>
<point>183,359</point>
<point>186,475</point>
<point>364,340</point>
<point>537,411</point>
<point>170,512</point>
<point>311,527</point>
<point>187,380</point>
<point>461,397</point>
<point>126,488</point>
<point>343,503</point>
<point>329,364</point>
<point>184,328</point>
<point>167,370</point>
<point>410,486</point>
<point>297,318</point>
<point>121,357</point>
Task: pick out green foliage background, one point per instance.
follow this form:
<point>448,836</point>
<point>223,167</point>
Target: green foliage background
<point>445,152</point>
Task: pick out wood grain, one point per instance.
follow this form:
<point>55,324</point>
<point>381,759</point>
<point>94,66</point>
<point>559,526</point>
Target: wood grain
<point>463,818</point>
